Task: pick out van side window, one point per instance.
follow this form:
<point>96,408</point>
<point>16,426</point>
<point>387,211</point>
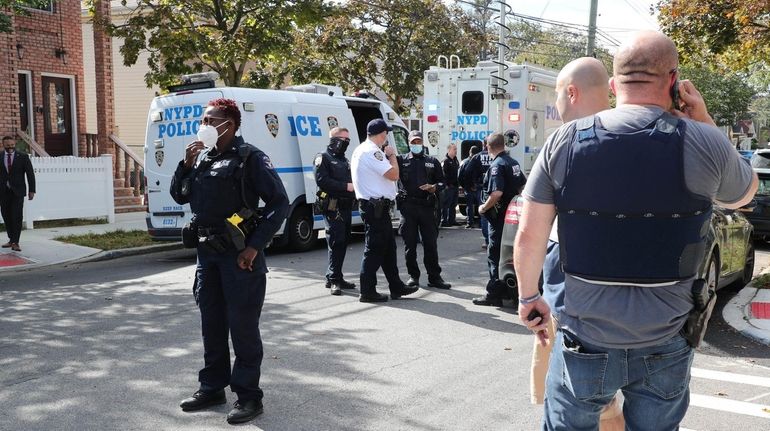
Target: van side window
<point>400,135</point>
<point>473,102</point>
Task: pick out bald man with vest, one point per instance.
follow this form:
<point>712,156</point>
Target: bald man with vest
<point>634,188</point>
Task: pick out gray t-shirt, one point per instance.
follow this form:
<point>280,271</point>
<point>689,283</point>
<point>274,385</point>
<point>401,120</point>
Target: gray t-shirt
<point>630,316</point>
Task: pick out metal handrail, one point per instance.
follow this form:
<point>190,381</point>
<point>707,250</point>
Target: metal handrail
<point>36,148</point>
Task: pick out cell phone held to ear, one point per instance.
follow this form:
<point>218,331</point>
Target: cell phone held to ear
<point>675,95</point>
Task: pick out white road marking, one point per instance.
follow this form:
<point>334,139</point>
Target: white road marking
<point>732,406</point>
<point>757,397</point>
<point>731,377</point>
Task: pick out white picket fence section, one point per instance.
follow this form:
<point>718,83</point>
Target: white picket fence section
<point>71,187</point>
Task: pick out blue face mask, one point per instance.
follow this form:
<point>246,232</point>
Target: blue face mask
<point>416,149</point>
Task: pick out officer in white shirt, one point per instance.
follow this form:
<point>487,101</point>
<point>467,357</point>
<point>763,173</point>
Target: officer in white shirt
<point>375,172</point>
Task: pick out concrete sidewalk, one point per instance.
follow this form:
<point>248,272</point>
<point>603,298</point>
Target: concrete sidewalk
<point>38,247</point>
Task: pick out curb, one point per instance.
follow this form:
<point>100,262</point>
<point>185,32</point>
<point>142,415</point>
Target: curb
<point>737,314</point>
<point>125,252</point>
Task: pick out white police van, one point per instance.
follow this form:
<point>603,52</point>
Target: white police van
<point>291,126</point>
<point>463,105</point>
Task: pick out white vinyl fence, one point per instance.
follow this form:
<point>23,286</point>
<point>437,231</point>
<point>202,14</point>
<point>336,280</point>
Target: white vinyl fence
<point>71,187</point>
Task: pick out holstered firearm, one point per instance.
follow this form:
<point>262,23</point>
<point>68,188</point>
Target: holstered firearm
<point>704,299</point>
<point>239,226</point>
<point>324,202</point>
<point>380,207</point>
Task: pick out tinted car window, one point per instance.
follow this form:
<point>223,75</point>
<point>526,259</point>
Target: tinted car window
<point>761,160</point>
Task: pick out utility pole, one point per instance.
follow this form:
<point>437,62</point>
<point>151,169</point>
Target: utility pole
<point>592,29</point>
<point>501,65</point>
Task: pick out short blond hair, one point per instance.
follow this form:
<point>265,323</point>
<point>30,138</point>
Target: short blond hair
<point>336,131</point>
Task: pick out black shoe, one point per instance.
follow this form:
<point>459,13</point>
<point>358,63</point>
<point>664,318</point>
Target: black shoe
<point>412,282</point>
<point>328,284</point>
<point>202,399</point>
<point>346,285</point>
<point>373,298</point>
<point>244,411</point>
<point>469,226</point>
<point>336,289</point>
<point>487,300</point>
<point>403,292</point>
<point>439,284</point>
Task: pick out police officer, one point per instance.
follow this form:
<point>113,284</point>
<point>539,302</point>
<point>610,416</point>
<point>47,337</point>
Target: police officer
<point>450,166</point>
<point>502,182</point>
<point>421,182</point>
<point>335,199</point>
<point>223,178</point>
<point>479,165</point>
<point>375,172</point>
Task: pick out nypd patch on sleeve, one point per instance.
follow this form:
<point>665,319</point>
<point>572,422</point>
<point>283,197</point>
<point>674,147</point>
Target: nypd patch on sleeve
<point>267,162</point>
<point>378,155</point>
<point>318,159</point>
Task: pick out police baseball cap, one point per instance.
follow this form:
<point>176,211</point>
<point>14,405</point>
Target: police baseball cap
<point>375,127</point>
<point>415,134</point>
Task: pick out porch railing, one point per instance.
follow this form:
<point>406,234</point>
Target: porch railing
<point>34,147</point>
<point>128,166</point>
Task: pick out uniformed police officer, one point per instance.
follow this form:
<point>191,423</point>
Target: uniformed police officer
<point>335,200</point>
<point>450,166</point>
<point>479,165</point>
<point>223,178</point>
<point>421,181</point>
<point>375,172</point>
<point>503,181</point>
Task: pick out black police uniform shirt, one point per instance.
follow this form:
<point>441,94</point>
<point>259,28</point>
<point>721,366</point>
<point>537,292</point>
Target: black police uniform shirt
<point>479,165</point>
<point>215,195</point>
<point>332,175</point>
<point>504,175</point>
<point>415,171</point>
<point>450,167</point>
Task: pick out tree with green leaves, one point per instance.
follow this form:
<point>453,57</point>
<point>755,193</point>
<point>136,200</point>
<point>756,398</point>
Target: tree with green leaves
<point>382,46</point>
<point>7,7</point>
<point>225,36</point>
<point>732,32</point>
<point>727,94</point>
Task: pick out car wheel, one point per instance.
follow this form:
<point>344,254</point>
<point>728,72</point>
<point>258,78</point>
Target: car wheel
<point>712,274</point>
<point>302,236</point>
<point>748,270</point>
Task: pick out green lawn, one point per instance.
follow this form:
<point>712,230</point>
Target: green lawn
<point>111,240</point>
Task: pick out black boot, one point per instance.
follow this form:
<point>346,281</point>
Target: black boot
<point>202,399</point>
<point>244,411</point>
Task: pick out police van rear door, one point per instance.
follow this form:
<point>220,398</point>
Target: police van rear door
<point>472,121</point>
<point>311,124</point>
<point>172,124</point>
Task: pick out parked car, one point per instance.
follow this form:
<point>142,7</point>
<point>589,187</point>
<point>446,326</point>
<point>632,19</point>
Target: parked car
<point>730,247</point>
<point>761,160</point>
<point>758,211</point>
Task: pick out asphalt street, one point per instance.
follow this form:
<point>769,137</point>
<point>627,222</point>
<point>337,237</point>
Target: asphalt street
<point>116,345</point>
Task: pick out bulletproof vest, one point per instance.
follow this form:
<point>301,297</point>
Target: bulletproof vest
<point>338,169</point>
<point>216,193</point>
<point>625,214</point>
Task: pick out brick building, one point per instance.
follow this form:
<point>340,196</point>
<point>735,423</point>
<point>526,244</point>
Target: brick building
<point>42,86</point>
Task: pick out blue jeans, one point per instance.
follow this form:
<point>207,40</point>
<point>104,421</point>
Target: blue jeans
<point>583,378</point>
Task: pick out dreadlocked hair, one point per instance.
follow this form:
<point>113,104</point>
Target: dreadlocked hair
<point>230,108</point>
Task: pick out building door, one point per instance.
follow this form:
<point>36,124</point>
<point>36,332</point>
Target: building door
<point>24,104</point>
<point>57,116</point>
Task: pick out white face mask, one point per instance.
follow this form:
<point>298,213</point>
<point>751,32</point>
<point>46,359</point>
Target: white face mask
<point>208,135</point>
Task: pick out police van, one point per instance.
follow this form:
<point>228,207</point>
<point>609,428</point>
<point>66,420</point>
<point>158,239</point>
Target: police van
<point>463,106</point>
<point>291,126</point>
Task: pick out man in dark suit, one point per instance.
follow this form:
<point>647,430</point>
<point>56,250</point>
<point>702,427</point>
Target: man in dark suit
<point>13,168</point>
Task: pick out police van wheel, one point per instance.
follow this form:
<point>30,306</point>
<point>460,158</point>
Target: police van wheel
<point>302,236</point>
